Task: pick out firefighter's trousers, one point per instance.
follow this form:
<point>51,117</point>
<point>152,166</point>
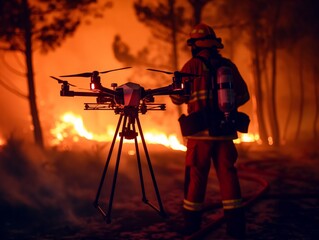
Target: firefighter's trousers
<point>199,155</point>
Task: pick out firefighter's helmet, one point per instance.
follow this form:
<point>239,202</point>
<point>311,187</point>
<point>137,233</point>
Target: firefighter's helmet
<point>203,35</point>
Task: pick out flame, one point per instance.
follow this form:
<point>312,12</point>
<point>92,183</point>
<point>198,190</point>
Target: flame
<point>71,127</point>
<point>2,141</point>
<point>161,138</point>
<point>247,138</point>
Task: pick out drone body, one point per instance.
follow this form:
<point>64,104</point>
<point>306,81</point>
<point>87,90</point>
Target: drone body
<point>132,94</point>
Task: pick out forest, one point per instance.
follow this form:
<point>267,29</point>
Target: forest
<point>272,42</point>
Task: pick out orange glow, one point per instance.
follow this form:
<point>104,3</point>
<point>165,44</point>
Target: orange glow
<point>2,141</point>
<point>70,127</point>
<point>247,138</point>
<point>270,141</point>
<point>171,140</point>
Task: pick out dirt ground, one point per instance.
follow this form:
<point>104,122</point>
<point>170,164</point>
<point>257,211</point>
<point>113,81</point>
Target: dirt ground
<point>50,195</point>
<point>289,209</point>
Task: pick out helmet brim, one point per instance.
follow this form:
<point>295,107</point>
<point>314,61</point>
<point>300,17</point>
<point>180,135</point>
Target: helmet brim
<point>216,42</point>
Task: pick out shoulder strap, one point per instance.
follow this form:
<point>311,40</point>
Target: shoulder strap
<point>206,62</point>
<point>210,85</point>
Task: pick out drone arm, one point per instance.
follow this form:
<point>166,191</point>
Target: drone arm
<point>107,91</point>
<point>168,90</point>
<point>83,94</point>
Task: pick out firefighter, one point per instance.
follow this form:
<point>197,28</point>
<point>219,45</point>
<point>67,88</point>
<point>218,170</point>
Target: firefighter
<point>209,137</point>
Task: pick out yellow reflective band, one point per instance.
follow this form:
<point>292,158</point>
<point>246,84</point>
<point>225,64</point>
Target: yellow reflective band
<point>200,92</point>
<point>192,206</point>
<point>200,95</point>
<point>231,204</point>
<point>232,201</point>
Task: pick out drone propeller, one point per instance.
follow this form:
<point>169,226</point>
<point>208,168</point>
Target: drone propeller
<point>176,73</point>
<point>156,70</point>
<point>62,81</point>
<point>89,74</point>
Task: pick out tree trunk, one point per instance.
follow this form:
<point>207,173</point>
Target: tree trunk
<point>273,91</point>
<point>272,103</point>
<point>316,92</point>
<point>198,6</point>
<point>290,107</point>
<point>301,102</point>
<point>37,131</point>
<point>174,34</point>
<point>258,88</point>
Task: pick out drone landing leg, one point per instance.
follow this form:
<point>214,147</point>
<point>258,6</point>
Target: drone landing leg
<point>129,132</point>
<point>161,210</point>
<point>108,216</point>
<point>139,165</point>
<point>96,202</point>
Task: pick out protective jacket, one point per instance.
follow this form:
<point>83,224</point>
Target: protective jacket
<point>202,101</point>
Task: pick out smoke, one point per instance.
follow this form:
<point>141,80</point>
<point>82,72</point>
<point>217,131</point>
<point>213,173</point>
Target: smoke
<point>29,179</point>
<point>61,185</point>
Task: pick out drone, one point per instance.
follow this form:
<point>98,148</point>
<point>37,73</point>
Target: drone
<point>127,95</point>
<point>127,100</point>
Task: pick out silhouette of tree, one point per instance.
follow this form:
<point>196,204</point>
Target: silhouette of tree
<point>27,26</point>
<point>166,21</point>
<point>198,6</point>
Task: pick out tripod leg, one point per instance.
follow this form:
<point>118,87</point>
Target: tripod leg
<point>96,202</point>
<point>144,199</point>
<point>108,214</point>
<point>161,210</point>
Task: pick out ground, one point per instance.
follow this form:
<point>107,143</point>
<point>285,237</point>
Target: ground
<point>49,194</point>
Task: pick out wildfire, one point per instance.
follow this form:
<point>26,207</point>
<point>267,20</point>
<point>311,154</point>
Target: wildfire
<point>70,127</point>
<point>247,138</point>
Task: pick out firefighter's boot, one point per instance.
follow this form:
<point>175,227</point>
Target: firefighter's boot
<point>192,221</point>
<point>235,222</point>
